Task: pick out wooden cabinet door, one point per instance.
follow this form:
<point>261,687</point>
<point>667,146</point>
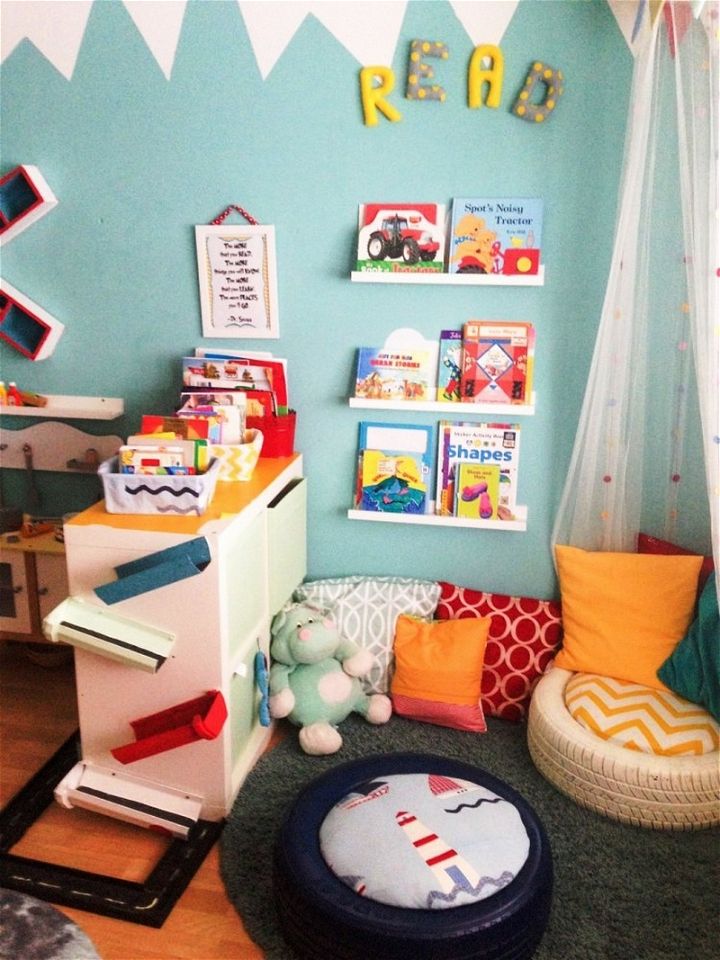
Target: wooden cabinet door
<point>15,593</point>
<point>52,582</point>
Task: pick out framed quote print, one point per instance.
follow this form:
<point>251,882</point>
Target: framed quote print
<point>237,276</point>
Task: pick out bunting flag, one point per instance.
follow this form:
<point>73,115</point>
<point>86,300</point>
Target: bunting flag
<point>368,29</point>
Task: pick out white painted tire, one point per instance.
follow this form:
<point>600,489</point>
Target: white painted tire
<point>664,793</point>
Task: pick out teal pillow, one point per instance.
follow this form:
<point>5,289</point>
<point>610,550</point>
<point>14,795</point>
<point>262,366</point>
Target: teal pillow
<point>693,668</point>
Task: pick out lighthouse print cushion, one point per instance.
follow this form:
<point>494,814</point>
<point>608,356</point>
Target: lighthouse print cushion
<point>425,841</point>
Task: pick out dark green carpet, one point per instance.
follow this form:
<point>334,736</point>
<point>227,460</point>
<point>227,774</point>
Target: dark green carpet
<point>621,892</point>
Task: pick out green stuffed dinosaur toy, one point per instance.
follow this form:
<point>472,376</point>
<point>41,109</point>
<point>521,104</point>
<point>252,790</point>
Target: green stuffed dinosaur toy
<point>314,677</point>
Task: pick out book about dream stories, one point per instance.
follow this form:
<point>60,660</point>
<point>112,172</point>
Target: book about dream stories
<point>402,374</point>
<point>499,236</point>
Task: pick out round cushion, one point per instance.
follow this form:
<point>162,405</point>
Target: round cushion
<point>665,793</point>
<point>323,915</point>
<point>423,840</point>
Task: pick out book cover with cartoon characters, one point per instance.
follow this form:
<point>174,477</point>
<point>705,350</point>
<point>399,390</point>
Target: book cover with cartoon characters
<point>501,236</point>
<point>401,238</point>
<point>449,366</point>
<point>402,374</point>
<point>393,482</point>
<point>497,361</point>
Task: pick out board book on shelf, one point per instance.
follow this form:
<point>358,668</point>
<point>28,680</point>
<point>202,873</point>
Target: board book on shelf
<point>477,491</point>
<point>392,482</point>
<point>400,374</point>
<point>491,444</point>
<point>497,360</point>
<point>495,235</point>
<point>401,238</point>
<point>449,366</point>
<point>395,439</point>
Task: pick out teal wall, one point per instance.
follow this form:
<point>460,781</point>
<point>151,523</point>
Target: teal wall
<point>136,161</point>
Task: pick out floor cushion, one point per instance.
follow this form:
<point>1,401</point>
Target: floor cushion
<point>641,718</point>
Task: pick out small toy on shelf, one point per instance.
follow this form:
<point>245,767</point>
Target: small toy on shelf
<point>314,677</point>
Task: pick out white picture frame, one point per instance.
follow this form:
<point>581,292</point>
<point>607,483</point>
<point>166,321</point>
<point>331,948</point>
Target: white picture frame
<point>237,277</point>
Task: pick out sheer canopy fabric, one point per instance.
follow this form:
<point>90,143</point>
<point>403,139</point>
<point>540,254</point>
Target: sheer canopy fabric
<point>651,412</point>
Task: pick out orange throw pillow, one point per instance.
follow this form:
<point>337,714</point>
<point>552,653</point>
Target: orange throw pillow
<point>438,671</point>
<point>623,613</point>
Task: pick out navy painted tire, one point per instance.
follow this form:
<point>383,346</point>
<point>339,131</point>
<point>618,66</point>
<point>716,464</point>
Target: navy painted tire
<point>321,917</point>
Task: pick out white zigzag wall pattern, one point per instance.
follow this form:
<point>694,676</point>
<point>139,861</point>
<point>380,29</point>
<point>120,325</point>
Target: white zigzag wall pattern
<point>368,30</point>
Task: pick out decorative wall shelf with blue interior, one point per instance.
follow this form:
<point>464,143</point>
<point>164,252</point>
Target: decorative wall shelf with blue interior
<point>24,197</point>
<point>26,326</point>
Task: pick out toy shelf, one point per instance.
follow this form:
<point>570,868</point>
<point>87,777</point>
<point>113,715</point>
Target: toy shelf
<point>494,410</point>
<point>432,519</point>
<point>79,408</point>
<point>24,197</point>
<point>455,279</point>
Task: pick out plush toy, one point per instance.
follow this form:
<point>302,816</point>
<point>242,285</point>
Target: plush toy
<point>313,678</point>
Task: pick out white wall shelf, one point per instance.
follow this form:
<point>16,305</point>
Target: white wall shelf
<point>432,519</point>
<point>494,410</point>
<point>455,279</point>
<point>79,408</point>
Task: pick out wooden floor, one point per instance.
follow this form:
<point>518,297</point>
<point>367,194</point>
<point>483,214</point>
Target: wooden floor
<point>37,714</point>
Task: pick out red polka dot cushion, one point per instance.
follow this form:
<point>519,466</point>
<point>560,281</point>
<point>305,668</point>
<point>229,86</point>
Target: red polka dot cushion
<point>523,638</point>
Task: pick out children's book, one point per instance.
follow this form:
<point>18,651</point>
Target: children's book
<point>399,438</point>
<point>402,374</point>
<point>477,491</point>
<point>497,362</point>
<point>187,428</point>
<point>495,236</point>
<point>488,444</point>
<point>236,373</point>
<point>275,369</point>
<point>392,482</point>
<point>401,238</point>
<point>449,366</point>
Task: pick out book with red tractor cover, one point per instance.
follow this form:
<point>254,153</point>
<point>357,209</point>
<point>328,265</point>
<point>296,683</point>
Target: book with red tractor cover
<point>401,238</point>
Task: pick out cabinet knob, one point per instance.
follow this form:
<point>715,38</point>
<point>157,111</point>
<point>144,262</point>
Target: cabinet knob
<point>43,591</point>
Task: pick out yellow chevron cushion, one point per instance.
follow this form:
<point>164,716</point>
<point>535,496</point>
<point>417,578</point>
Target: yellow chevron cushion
<point>641,718</point>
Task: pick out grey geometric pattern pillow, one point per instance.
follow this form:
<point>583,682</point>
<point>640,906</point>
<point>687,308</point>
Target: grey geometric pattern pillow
<point>366,609</point>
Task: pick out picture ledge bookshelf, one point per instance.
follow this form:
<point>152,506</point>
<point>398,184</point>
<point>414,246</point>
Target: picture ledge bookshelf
<point>454,279</point>
<point>432,519</point>
<point>436,406</point>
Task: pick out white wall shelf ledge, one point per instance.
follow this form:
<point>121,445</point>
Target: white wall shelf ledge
<point>432,519</point>
<point>455,279</point>
<point>78,408</point>
<point>494,410</point>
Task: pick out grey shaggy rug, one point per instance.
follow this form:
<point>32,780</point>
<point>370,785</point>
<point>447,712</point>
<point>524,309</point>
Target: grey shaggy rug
<point>33,930</point>
<point>621,892</point>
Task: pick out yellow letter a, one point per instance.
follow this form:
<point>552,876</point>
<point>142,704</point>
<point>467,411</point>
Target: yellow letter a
<point>479,74</point>
<point>373,98</point>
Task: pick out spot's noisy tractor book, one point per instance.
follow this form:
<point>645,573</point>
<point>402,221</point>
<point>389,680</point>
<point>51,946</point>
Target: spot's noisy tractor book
<point>495,236</point>
<point>481,444</point>
<point>401,238</point>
